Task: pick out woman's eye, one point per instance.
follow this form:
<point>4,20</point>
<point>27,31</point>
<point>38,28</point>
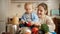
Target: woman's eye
<point>40,10</point>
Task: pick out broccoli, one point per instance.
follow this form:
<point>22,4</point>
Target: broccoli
<point>45,27</point>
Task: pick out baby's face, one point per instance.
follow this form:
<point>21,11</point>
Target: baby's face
<point>28,8</point>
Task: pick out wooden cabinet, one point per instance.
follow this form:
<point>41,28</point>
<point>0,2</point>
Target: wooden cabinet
<point>57,23</point>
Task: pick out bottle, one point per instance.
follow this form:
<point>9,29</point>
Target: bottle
<point>11,28</point>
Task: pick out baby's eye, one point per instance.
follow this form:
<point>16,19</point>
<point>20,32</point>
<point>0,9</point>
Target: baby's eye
<point>28,9</point>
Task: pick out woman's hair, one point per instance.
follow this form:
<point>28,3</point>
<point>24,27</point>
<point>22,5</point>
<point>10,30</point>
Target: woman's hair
<point>44,6</point>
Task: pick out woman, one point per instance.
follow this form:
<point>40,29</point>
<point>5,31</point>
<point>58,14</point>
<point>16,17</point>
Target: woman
<point>44,18</point>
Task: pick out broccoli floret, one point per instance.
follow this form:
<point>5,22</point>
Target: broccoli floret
<point>45,27</point>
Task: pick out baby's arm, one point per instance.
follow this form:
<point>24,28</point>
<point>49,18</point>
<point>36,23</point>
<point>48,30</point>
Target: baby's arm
<point>23,19</point>
<point>35,20</point>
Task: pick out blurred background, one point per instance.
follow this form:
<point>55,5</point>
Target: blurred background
<point>9,8</point>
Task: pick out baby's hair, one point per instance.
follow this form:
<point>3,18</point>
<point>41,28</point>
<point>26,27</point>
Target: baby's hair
<point>44,5</point>
<point>28,3</point>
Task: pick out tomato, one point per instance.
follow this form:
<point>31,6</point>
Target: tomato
<point>35,29</point>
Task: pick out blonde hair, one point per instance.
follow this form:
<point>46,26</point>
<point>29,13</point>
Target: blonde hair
<point>27,4</point>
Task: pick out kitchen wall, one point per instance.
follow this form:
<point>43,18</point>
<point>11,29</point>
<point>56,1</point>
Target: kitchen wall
<point>3,14</point>
<point>8,9</point>
<point>52,4</point>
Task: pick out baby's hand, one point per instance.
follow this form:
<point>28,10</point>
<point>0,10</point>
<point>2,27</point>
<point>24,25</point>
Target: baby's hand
<point>28,23</point>
<point>22,22</point>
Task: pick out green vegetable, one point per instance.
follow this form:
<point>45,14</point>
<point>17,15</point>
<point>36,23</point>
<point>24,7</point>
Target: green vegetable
<point>45,27</point>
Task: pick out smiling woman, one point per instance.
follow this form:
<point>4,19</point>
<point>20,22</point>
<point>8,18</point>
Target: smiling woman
<point>49,25</point>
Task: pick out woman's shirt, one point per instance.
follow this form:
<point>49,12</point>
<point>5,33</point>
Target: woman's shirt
<point>48,20</point>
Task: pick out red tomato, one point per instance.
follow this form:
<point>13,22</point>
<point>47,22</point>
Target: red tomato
<point>35,29</point>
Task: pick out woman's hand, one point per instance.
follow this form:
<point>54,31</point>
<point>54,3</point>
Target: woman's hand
<point>37,24</point>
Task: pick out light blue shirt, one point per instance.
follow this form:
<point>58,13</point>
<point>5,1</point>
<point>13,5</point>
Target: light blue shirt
<point>30,17</point>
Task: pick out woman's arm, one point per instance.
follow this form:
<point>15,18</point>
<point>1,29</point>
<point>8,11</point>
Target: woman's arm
<point>51,24</point>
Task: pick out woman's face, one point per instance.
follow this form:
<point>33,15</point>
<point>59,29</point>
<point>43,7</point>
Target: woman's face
<point>40,11</point>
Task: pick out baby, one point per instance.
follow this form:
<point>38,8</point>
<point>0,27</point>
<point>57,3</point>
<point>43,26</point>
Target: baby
<point>29,15</point>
